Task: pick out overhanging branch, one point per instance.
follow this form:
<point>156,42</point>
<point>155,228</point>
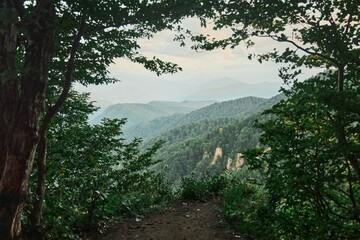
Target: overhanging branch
<point>68,76</point>
<point>333,61</point>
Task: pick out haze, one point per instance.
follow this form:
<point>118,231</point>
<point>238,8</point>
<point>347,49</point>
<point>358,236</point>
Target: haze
<point>208,75</point>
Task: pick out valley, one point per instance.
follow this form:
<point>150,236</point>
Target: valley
<point>198,137</point>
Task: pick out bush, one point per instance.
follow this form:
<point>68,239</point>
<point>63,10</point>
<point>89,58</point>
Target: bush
<point>207,186</point>
<point>245,208</point>
<point>246,204</point>
<point>91,183</point>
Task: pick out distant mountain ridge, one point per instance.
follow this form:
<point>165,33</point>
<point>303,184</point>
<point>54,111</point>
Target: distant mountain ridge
<point>137,113</point>
<point>212,116</point>
<point>213,88</point>
<point>230,89</point>
<point>156,126</point>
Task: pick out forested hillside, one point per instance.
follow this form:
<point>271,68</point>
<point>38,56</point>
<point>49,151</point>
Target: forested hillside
<point>241,108</point>
<point>192,140</point>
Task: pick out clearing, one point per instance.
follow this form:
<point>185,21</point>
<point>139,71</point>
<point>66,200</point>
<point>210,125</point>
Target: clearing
<point>187,220</point>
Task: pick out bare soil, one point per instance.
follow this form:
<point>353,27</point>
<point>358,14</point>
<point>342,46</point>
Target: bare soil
<point>180,221</point>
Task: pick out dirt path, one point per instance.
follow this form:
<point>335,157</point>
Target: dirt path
<point>180,221</point>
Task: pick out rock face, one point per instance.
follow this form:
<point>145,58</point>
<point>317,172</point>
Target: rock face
<point>228,165</point>
<point>237,164</point>
<point>231,164</point>
<point>218,154</point>
<point>239,161</point>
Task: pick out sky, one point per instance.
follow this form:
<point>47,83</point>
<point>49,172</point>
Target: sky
<point>203,72</point>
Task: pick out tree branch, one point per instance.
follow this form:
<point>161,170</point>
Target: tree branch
<point>68,76</point>
<point>333,61</point>
<point>350,20</point>
<point>36,213</point>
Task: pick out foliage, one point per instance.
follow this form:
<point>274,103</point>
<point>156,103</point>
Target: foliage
<point>201,188</point>
<point>110,30</point>
<point>312,185</point>
<point>312,163</point>
<point>245,200</point>
<point>246,204</point>
<point>93,175</point>
<point>319,33</point>
<point>190,146</point>
<point>45,47</point>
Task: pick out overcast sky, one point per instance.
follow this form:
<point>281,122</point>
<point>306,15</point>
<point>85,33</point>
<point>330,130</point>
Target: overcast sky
<point>201,70</point>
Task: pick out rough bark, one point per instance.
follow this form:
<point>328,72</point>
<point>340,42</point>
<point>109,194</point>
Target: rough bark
<point>37,206</point>
<point>22,92</point>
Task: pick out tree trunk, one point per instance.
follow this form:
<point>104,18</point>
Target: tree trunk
<point>36,212</point>
<point>22,94</point>
<point>342,132</point>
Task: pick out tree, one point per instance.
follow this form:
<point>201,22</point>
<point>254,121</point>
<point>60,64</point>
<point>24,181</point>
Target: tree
<point>51,44</point>
<point>22,96</point>
<point>313,164</point>
<point>92,174</point>
<point>313,192</point>
<point>323,34</point>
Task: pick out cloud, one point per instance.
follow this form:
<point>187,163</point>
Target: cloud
<point>199,68</point>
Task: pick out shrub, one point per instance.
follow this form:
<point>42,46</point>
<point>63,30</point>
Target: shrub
<point>245,207</point>
<point>92,182</point>
<point>192,188</point>
<point>246,204</point>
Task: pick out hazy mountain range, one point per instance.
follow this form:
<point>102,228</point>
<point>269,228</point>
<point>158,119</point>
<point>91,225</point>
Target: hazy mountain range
<point>136,113</point>
<point>163,90</point>
<point>232,90</point>
<point>154,127</point>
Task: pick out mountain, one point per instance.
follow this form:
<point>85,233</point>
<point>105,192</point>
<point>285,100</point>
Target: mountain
<point>212,144</point>
<point>230,89</point>
<point>150,129</point>
<point>209,118</point>
<point>199,137</point>
<point>137,113</point>
<point>142,89</point>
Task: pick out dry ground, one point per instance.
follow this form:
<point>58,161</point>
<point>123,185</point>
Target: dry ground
<point>180,221</point>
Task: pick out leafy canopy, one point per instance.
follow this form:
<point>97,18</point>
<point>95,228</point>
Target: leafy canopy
<point>313,188</point>
<point>318,33</point>
<point>93,176</point>
<point>311,166</point>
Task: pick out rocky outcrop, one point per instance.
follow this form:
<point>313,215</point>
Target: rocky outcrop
<point>218,154</point>
<point>237,164</point>
<point>229,163</point>
<point>239,161</point>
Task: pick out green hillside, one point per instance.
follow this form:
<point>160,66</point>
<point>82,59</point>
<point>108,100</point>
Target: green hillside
<point>241,107</point>
<point>192,147</point>
<point>193,136</point>
<point>196,152</point>
<point>138,112</point>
